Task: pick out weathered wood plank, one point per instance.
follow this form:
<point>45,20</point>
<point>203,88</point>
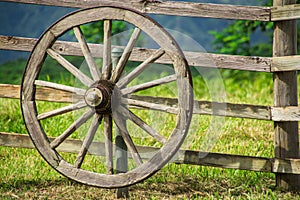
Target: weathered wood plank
<point>15,140</point>
<point>210,10</point>
<point>289,113</point>
<point>88,140</point>
<point>208,108</point>
<point>170,8</point>
<point>9,91</point>
<point>72,128</point>
<point>139,69</point>
<point>61,87</point>
<point>148,129</point>
<point>121,124</point>
<point>62,110</point>
<point>285,63</point>
<point>250,63</point>
<point>140,54</point>
<point>17,43</point>
<point>70,67</point>
<point>46,94</point>
<point>118,71</point>
<point>286,136</point>
<point>147,85</point>
<point>286,12</point>
<point>87,54</point>
<point>23,141</point>
<point>232,110</point>
<point>107,61</point>
<point>108,135</point>
<point>200,107</point>
<point>225,161</point>
<point>287,166</point>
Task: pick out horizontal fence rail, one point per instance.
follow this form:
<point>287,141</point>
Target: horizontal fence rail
<point>291,113</point>
<point>286,12</point>
<point>250,63</point>
<point>140,54</point>
<point>169,8</point>
<point>182,157</point>
<point>257,13</point>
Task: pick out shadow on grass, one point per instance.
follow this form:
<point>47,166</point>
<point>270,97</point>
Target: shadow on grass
<point>157,187</point>
<point>51,189</point>
<point>37,184</point>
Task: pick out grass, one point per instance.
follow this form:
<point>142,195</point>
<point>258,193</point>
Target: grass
<point>25,175</point>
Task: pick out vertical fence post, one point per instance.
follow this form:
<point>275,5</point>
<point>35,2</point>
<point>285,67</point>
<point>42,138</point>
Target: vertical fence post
<point>285,94</point>
<point>121,148</point>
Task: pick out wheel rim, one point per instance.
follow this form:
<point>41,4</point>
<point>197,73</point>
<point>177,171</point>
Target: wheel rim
<point>106,97</point>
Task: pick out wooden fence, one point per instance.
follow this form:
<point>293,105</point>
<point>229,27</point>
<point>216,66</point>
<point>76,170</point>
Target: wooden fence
<point>284,65</point>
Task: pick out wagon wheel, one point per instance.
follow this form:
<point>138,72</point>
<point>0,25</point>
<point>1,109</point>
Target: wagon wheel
<point>105,100</point>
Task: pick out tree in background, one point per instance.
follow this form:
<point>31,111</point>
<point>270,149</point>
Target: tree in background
<point>94,31</point>
<point>239,37</point>
<point>236,39</point>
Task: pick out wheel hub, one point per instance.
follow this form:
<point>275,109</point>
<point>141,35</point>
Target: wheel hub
<point>99,96</point>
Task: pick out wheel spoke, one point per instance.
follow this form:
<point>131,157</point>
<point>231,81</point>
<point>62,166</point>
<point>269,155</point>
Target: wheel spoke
<point>125,56</point>
<point>108,143</point>
<point>70,67</point>
<point>128,78</point>
<point>86,116</point>
<point>87,54</point>
<point>88,140</point>
<point>57,86</point>
<point>148,85</point>
<point>138,121</point>
<point>107,63</point>
<point>121,124</point>
<point>100,99</point>
<point>150,105</point>
<point>62,110</point>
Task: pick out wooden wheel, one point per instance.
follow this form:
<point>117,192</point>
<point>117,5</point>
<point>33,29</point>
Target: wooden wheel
<point>105,100</point>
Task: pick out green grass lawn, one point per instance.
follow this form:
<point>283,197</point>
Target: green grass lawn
<point>25,175</point>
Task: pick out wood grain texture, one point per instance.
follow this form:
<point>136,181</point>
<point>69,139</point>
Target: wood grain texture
<point>148,129</point>
<point>287,166</point>
<point>108,135</point>
<point>144,86</point>
<point>118,71</point>
<point>169,8</point>
<point>94,70</point>
<point>107,61</point>
<point>286,136</point>
<point>286,12</point>
<point>72,128</point>
<point>139,69</point>
<point>200,59</point>
<point>290,166</point>
<point>200,107</point>
<point>291,113</point>
<point>142,169</point>
<point>203,107</point>
<point>88,140</point>
<point>121,124</point>
<point>57,86</point>
<point>285,63</point>
<point>62,110</point>
<point>44,94</point>
<point>70,67</point>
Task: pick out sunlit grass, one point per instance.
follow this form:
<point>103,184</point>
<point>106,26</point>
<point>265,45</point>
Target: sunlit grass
<point>24,174</point>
